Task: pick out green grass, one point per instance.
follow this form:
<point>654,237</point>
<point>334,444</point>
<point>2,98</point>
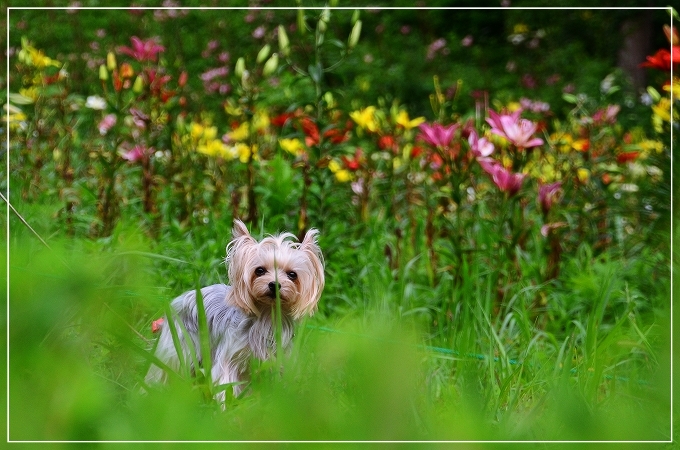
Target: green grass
<point>388,356</point>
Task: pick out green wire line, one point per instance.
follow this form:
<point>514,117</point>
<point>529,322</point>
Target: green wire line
<point>448,351</point>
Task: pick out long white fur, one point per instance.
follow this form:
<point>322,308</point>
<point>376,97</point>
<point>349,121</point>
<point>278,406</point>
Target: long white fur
<point>239,316</point>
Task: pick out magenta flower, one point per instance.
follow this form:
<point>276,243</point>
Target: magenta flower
<point>518,131</point>
<point>480,148</point>
<point>548,194</point>
<point>607,115</point>
<point>107,123</point>
<point>137,153</point>
<point>438,135</point>
<point>139,118</point>
<point>142,50</point>
<point>505,180</point>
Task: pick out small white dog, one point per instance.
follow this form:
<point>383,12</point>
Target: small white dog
<point>240,316</point>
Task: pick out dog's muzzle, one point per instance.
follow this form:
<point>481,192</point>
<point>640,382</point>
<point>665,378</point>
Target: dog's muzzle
<point>272,289</point>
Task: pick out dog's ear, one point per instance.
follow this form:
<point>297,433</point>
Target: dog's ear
<point>314,287</point>
<point>239,230</point>
<point>240,252</point>
<point>309,244</point>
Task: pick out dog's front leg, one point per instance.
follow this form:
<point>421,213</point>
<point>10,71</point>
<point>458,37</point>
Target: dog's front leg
<point>226,374</point>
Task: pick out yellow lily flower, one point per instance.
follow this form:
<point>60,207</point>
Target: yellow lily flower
<point>261,120</point>
<point>403,120</point>
<point>334,165</point>
<point>663,109</point>
<point>513,106</point>
<point>343,176</point>
<point>196,131</point>
<point>365,118</point>
<point>673,88</point>
<point>240,133</point>
<point>649,145</point>
<point>292,146</point>
<point>212,148</point>
<point>244,152</point>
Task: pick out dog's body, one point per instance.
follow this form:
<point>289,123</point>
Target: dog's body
<point>239,316</point>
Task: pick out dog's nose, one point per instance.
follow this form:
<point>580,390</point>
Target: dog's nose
<point>272,287</point>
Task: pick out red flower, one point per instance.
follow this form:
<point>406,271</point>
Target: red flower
<point>337,135</point>
<point>311,131</point>
<point>354,163</point>
<point>416,151</point>
<point>387,143</point>
<point>627,157</point>
<point>183,78</point>
<point>281,119</point>
<point>662,59</point>
<point>436,161</point>
<point>157,85</point>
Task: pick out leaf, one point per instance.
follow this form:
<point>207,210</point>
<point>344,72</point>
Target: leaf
<point>337,42</point>
<point>315,72</point>
<point>203,334</point>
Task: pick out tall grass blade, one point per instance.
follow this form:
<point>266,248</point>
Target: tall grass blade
<point>204,337</point>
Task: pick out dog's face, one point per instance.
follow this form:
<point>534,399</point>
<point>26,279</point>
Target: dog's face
<point>255,268</point>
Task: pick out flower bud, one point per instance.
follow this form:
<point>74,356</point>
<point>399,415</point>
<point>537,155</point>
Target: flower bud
<point>271,65</point>
<point>245,77</point>
<point>240,67</point>
<point>103,73</point>
<point>302,26</point>
<point>126,71</point>
<point>326,15</point>
<point>183,78</point>
<point>139,85</point>
<point>111,61</point>
<point>324,19</point>
<point>355,16</point>
<point>263,53</point>
<point>354,35</point>
<point>284,44</point>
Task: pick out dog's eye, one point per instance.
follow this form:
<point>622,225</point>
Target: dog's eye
<point>292,275</point>
<point>260,271</point>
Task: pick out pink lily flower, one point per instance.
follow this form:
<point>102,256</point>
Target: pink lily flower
<point>548,194</point>
<point>607,115</point>
<point>137,153</point>
<point>516,130</point>
<point>438,135</point>
<point>107,123</point>
<point>142,50</point>
<point>505,180</point>
<point>480,147</point>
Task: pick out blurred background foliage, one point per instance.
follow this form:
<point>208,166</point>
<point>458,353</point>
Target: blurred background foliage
<point>510,52</point>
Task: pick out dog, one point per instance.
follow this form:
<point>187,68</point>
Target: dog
<point>240,316</point>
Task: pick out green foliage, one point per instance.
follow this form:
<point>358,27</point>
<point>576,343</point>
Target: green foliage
<point>80,341</point>
<point>483,282</point>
